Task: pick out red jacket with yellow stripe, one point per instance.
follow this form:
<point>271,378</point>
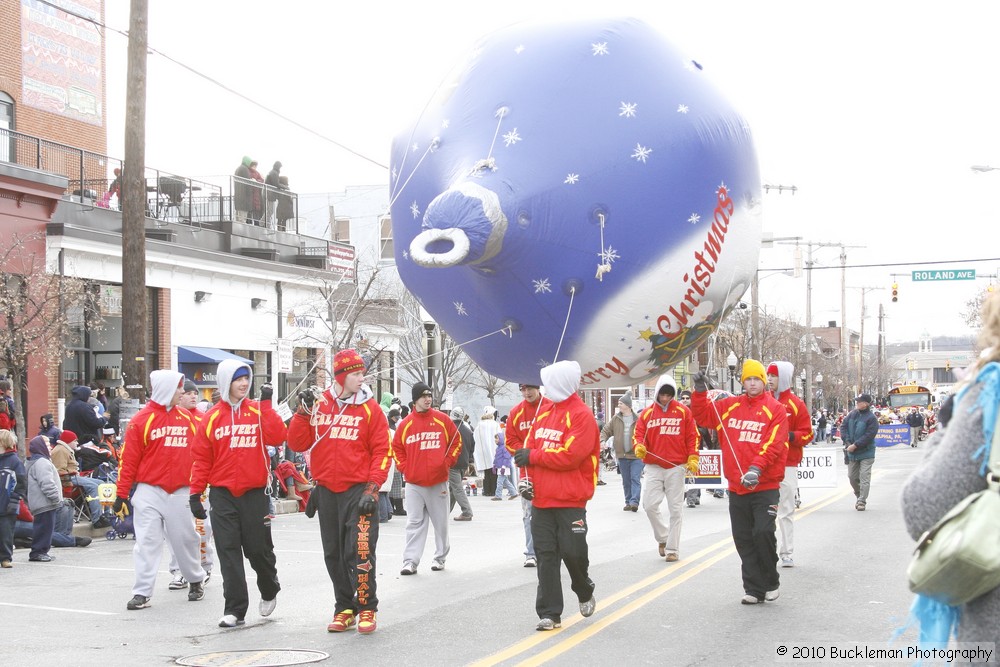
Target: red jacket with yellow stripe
<point>158,449</point>
<point>670,434</point>
<point>800,432</point>
<point>425,446</point>
<point>230,450</point>
<point>752,432</point>
<point>565,446</point>
<point>519,422</point>
<point>349,441</point>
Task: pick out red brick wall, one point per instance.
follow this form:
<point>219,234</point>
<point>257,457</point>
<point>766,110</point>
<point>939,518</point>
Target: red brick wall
<point>163,327</point>
<point>36,122</point>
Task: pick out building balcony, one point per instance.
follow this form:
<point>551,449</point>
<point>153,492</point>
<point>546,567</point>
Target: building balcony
<point>241,217</point>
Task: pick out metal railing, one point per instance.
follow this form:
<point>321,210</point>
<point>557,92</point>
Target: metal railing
<point>95,179</point>
<point>263,205</point>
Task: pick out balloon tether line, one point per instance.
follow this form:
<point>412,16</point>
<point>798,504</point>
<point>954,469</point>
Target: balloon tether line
<point>572,293</point>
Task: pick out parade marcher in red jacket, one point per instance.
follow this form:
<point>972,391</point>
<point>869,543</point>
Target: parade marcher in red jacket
<point>561,454</point>
<point>156,460</point>
<point>231,455</point>
<point>349,437</point>
<point>426,445</point>
<point>753,436</point>
<point>666,439</point>
<point>189,401</point>
<point>519,422</point>
<point>780,378</point>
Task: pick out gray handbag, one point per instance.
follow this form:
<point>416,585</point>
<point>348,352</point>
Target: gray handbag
<point>958,558</point>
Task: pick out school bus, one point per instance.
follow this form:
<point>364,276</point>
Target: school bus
<point>909,396</point>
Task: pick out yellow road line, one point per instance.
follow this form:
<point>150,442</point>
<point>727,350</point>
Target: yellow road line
<point>691,567</point>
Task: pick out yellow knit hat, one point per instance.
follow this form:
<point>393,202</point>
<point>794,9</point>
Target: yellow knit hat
<point>753,369</point>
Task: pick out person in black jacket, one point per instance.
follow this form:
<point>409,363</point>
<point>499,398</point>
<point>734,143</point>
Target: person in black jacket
<point>80,417</point>
<point>461,466</point>
<point>859,431</point>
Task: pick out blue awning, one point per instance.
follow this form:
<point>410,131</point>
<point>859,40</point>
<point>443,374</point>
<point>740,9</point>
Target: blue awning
<point>206,355</point>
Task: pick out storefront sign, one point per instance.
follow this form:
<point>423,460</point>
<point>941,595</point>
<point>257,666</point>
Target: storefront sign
<point>111,300</point>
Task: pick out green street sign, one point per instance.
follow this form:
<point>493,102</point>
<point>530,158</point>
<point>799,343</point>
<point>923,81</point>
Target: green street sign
<point>944,274</point>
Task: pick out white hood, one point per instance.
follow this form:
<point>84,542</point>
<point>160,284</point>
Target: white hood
<point>224,376</point>
<point>163,386</point>
<point>786,372</point>
<point>361,396</point>
<point>561,380</point>
<point>666,379</point>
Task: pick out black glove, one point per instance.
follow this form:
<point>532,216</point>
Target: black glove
<point>197,508</point>
<point>266,392</point>
<point>701,381</point>
<point>522,457</point>
<point>526,488</point>
<point>119,506</point>
<point>369,499</point>
<point>750,478</point>
<point>311,505</point>
<point>307,399</point>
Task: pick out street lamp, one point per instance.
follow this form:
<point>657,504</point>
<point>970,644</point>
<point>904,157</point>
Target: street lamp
<point>819,390</point>
<point>731,362</point>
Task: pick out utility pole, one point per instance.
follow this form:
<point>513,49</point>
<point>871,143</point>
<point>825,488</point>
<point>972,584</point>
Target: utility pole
<point>861,340</point>
<point>134,311</point>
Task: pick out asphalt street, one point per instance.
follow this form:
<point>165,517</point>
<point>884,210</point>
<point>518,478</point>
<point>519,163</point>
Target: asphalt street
<point>847,587</point>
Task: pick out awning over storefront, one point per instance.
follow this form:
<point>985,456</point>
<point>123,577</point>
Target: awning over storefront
<point>206,355</point>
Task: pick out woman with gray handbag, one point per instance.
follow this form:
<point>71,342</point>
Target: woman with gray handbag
<point>956,466</point>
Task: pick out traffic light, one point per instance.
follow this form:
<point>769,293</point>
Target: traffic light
<point>895,292</point>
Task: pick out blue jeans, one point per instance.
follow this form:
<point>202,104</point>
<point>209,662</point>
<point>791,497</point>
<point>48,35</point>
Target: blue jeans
<point>503,482</point>
<point>631,470</point>
<point>89,486</point>
<point>529,541</point>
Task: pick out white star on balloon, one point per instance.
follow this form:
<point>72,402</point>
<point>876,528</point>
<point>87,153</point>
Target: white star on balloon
<point>414,147</point>
<point>609,255</point>
<point>627,109</point>
<point>445,123</point>
<point>641,153</point>
<point>682,108</point>
<point>406,254</point>
<point>519,49</point>
<point>511,137</point>
<point>600,48</point>
<point>571,179</point>
<point>459,308</point>
<point>694,218</point>
<point>395,174</point>
<point>415,210</point>
<point>542,285</point>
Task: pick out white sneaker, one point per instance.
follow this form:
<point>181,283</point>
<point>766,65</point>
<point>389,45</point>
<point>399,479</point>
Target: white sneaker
<point>230,621</point>
<point>178,582</point>
<point>437,565</point>
<point>786,561</point>
<point>267,606</point>
<point>530,561</point>
<point>771,596</point>
<point>408,568</point>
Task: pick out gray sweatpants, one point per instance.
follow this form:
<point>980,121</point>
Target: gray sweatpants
<point>159,515</point>
<point>426,505</point>
<point>458,492</point>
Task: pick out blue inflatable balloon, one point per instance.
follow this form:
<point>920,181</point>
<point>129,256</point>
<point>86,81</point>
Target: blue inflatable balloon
<point>577,191</point>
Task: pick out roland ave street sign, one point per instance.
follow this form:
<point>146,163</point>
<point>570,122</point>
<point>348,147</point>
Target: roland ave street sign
<point>944,274</point>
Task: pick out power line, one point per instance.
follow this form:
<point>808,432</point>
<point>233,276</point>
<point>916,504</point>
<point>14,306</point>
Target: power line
<point>218,83</point>
<point>888,264</point>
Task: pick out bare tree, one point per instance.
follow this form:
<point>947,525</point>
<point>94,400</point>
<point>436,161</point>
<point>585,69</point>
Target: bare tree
<point>491,384</point>
<point>974,309</point>
<point>456,367</point>
<point>38,313</point>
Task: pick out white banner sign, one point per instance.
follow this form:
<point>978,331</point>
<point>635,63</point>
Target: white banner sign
<point>819,467</point>
<point>285,347</point>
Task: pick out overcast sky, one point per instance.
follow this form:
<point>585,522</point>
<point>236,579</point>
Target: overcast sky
<point>873,110</point>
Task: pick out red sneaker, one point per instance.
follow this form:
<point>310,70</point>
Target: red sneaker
<point>341,622</point>
<point>366,622</point>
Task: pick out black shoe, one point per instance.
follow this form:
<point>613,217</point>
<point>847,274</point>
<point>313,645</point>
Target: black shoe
<point>635,508</point>
<point>103,522</point>
<point>137,602</point>
<point>41,558</point>
<point>83,541</point>
<point>196,592</point>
